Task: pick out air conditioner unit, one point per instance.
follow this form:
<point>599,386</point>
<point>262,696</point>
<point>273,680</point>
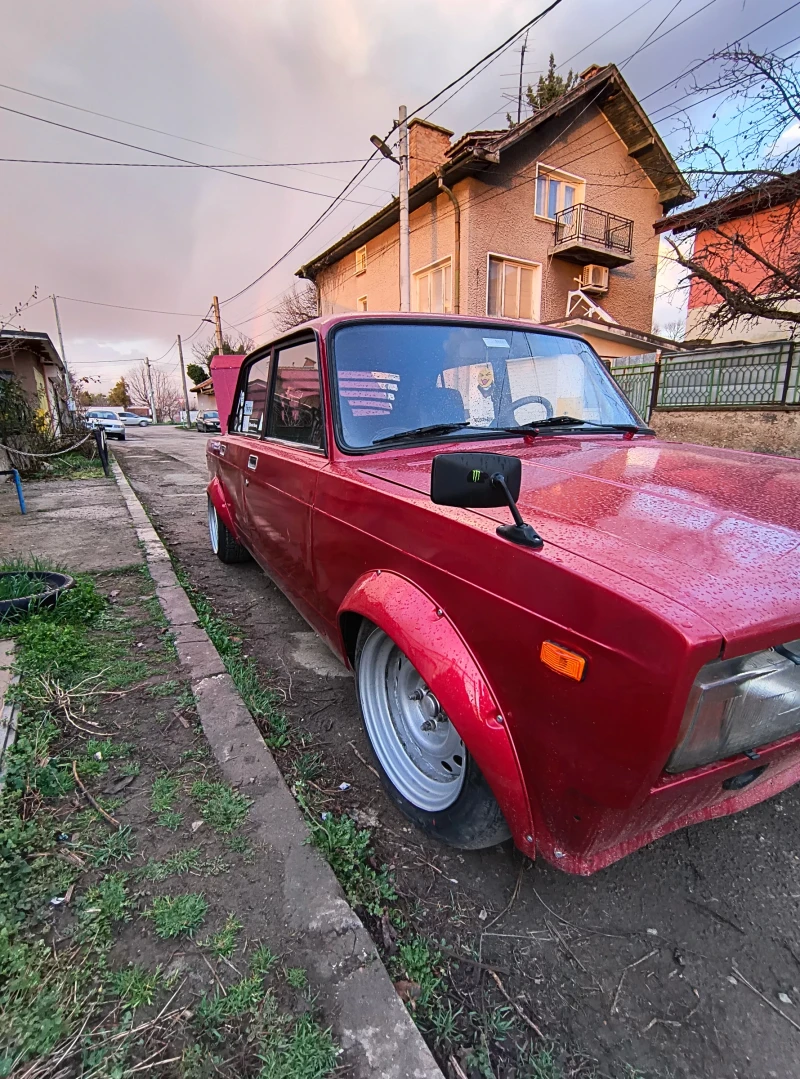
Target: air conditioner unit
<point>594,278</point>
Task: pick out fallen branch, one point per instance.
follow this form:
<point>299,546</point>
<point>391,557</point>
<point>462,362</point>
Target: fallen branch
<point>92,801</point>
<point>766,999</point>
<point>625,970</point>
<point>460,1073</point>
<point>525,1019</point>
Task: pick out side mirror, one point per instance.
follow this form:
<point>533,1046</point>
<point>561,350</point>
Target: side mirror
<point>483,481</point>
<point>465,479</point>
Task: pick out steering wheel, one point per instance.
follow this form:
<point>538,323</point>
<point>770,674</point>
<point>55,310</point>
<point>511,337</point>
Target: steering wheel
<point>533,400</point>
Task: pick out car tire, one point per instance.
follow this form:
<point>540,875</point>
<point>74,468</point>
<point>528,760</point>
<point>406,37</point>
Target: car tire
<point>142,423</point>
<point>224,546</point>
<point>430,776</point>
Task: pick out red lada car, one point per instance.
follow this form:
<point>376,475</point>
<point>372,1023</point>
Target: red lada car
<point>561,627</point>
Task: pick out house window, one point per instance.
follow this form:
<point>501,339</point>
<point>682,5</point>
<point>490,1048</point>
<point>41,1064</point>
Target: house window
<point>556,191</point>
<point>361,260</point>
<point>432,289</point>
<point>361,303</point>
<point>514,288</point>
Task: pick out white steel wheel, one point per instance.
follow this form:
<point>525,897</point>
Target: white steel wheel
<point>417,746</point>
<point>213,527</point>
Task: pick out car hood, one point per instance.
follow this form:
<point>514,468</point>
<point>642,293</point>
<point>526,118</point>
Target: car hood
<point>717,531</point>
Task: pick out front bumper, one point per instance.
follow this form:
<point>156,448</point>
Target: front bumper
<point>677,802</point>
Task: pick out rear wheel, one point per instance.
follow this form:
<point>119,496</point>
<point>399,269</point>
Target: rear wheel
<point>425,767</point>
<point>143,423</point>
<point>224,546</point>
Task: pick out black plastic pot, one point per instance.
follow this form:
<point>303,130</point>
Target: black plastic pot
<point>56,582</point>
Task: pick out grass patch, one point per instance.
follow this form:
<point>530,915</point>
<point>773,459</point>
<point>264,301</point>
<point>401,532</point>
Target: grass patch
<point>136,986</point>
<point>296,977</point>
<point>15,585</point>
<point>163,793</point>
<point>223,943</point>
<point>72,466</point>
<point>223,808</point>
<point>178,915</point>
<point>348,849</point>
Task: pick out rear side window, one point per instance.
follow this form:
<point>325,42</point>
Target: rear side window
<point>296,414</point>
<point>251,407</point>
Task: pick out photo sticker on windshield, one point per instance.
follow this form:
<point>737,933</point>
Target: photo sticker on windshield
<point>495,342</point>
<point>248,408</point>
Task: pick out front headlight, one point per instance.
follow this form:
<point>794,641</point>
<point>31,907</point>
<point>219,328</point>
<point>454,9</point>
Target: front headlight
<point>740,704</point>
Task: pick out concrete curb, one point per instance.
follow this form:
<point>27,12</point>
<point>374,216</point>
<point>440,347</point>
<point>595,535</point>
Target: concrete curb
<point>356,994</point>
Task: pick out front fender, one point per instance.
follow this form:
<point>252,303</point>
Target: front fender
<point>222,504</point>
<point>425,634</point>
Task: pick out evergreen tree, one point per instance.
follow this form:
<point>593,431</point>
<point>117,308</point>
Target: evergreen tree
<point>118,394</point>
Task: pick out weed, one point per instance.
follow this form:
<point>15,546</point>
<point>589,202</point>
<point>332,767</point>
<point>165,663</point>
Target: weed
<point>296,977</point>
<point>135,985</point>
<point>349,851</point>
<point>164,689</point>
<point>308,766</point>
<point>179,914</point>
<point>500,1023</point>
<point>163,793</point>
<point>108,750</point>
<point>129,768</point>
<point>102,905</point>
<point>117,846</point>
<point>542,1065</point>
<point>417,961</point>
<point>170,819</point>
<point>222,807</point>
<point>215,866</point>
<point>223,943</point>
<point>262,961</point>
<point>175,865</point>
<point>304,1051</point>
<point>239,844</point>
<point>444,1022</point>
<point>243,997</point>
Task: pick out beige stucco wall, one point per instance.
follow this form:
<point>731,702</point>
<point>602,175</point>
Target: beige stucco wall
<point>611,350</point>
<point>760,431</point>
<point>759,329</point>
<point>497,216</point>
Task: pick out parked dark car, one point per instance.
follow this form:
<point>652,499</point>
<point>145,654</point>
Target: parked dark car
<point>561,627</point>
<point>207,421</point>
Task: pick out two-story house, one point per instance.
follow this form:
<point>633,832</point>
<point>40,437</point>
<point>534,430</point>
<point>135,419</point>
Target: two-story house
<point>551,220</point>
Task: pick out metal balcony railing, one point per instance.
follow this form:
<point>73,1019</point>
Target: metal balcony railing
<point>581,224</point>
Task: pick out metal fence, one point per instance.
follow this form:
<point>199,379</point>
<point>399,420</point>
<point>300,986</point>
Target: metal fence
<point>737,377</point>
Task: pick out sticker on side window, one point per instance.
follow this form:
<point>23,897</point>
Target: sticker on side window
<point>495,342</point>
<point>248,408</point>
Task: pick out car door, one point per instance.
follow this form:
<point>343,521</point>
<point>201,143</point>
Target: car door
<point>282,470</point>
<point>246,430</point>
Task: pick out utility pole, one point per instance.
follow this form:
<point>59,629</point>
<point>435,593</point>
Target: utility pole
<point>185,387</point>
<point>405,253</point>
<point>67,376</point>
<point>521,66</point>
<point>218,324</point>
<point>150,393</point>
<point>402,161</point>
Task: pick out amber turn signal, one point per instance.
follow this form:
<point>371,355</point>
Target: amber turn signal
<point>562,661</point>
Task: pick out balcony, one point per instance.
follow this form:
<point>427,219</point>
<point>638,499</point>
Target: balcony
<point>585,234</point>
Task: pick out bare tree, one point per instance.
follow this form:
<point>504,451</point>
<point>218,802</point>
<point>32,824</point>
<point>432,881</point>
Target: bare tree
<point>745,262</point>
<point>299,305</point>
<point>233,344</point>
<point>673,330</point>
<point>166,392</point>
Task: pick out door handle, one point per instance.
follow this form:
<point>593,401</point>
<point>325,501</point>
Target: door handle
<point>252,461</point>
<point>246,482</point>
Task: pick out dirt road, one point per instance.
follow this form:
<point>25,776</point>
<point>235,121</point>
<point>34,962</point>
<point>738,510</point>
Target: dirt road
<point>635,966</point>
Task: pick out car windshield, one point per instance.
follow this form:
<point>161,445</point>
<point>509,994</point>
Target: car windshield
<point>104,415</point>
<point>394,378</point>
<point>211,415</point>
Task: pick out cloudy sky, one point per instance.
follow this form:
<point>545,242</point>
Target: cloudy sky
<point>260,81</point>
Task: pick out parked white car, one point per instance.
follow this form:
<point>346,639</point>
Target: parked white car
<point>130,419</point>
<point>102,417</point>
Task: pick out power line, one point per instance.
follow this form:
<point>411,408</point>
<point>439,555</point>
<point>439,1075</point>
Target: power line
<point>605,33</point>
<point>172,157</point>
<point>125,307</point>
<point>187,165</point>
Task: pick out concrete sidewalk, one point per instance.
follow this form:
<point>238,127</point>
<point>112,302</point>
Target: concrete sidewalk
<point>95,525</point>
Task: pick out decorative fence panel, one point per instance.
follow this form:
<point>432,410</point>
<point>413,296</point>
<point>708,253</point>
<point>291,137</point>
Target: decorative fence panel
<point>737,377</point>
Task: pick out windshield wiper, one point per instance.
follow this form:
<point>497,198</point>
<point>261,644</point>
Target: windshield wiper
<point>433,429</point>
<point>571,421</point>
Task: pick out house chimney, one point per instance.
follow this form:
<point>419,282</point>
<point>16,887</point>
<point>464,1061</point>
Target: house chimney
<point>427,148</point>
<point>590,72</point>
